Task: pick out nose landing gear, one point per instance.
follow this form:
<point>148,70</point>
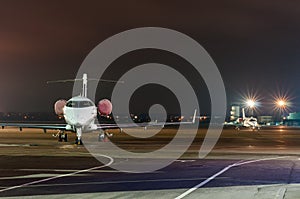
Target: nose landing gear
<point>78,140</point>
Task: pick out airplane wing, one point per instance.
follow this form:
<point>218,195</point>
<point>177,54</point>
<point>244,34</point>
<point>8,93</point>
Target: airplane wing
<point>37,126</point>
<point>99,126</point>
<point>145,124</point>
<point>236,125</point>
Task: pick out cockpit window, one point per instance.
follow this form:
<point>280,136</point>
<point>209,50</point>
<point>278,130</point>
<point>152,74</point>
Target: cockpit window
<point>72,104</point>
<point>85,104</point>
<point>79,104</point>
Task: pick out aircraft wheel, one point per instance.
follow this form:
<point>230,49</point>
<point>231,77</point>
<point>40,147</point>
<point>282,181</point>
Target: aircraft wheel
<point>65,137</point>
<point>78,142</point>
<point>101,137</point>
<point>60,137</point>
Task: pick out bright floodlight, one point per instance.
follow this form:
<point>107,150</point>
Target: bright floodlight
<point>281,103</point>
<point>250,103</point>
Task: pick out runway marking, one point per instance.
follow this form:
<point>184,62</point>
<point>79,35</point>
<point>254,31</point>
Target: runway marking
<point>183,161</point>
<point>60,176</point>
<point>71,170</point>
<point>40,175</point>
<point>280,193</point>
<point>8,145</point>
<point>239,163</point>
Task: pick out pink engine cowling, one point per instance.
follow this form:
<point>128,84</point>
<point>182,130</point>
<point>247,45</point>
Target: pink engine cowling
<point>104,107</point>
<point>59,105</point>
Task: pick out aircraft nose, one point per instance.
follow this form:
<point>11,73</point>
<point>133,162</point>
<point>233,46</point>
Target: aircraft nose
<point>76,119</point>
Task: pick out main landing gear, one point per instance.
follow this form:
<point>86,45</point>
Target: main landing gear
<point>62,136</point>
<point>103,136</point>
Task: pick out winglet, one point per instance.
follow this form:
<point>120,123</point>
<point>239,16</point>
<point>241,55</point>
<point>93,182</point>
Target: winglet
<point>194,117</point>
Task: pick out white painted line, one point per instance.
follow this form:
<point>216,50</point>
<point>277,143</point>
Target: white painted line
<point>40,175</point>
<point>239,163</point>
<point>60,176</point>
<point>183,161</point>
<point>280,193</point>
<point>258,160</point>
<point>6,145</point>
<point>203,183</point>
<point>73,170</point>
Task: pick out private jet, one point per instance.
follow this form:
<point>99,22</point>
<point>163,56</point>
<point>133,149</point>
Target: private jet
<point>245,122</point>
<point>80,114</point>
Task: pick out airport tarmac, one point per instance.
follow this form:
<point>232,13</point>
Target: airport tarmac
<point>243,164</point>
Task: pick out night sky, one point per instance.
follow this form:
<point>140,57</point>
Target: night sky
<point>255,44</point>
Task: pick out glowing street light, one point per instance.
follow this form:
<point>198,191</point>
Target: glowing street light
<point>280,106</point>
<point>281,103</point>
<point>251,103</point>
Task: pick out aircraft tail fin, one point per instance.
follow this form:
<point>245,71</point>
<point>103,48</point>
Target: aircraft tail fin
<point>194,116</point>
<point>84,80</point>
<point>243,112</point>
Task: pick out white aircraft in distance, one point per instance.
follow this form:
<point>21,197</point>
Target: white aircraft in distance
<point>80,114</point>
<point>248,122</point>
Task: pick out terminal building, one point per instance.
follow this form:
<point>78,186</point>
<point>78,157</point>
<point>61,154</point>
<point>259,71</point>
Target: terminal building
<point>293,119</point>
<point>234,112</point>
<point>265,119</point>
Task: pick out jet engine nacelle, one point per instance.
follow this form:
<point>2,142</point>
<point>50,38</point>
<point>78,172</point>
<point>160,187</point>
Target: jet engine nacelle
<point>59,105</point>
<point>104,107</point>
